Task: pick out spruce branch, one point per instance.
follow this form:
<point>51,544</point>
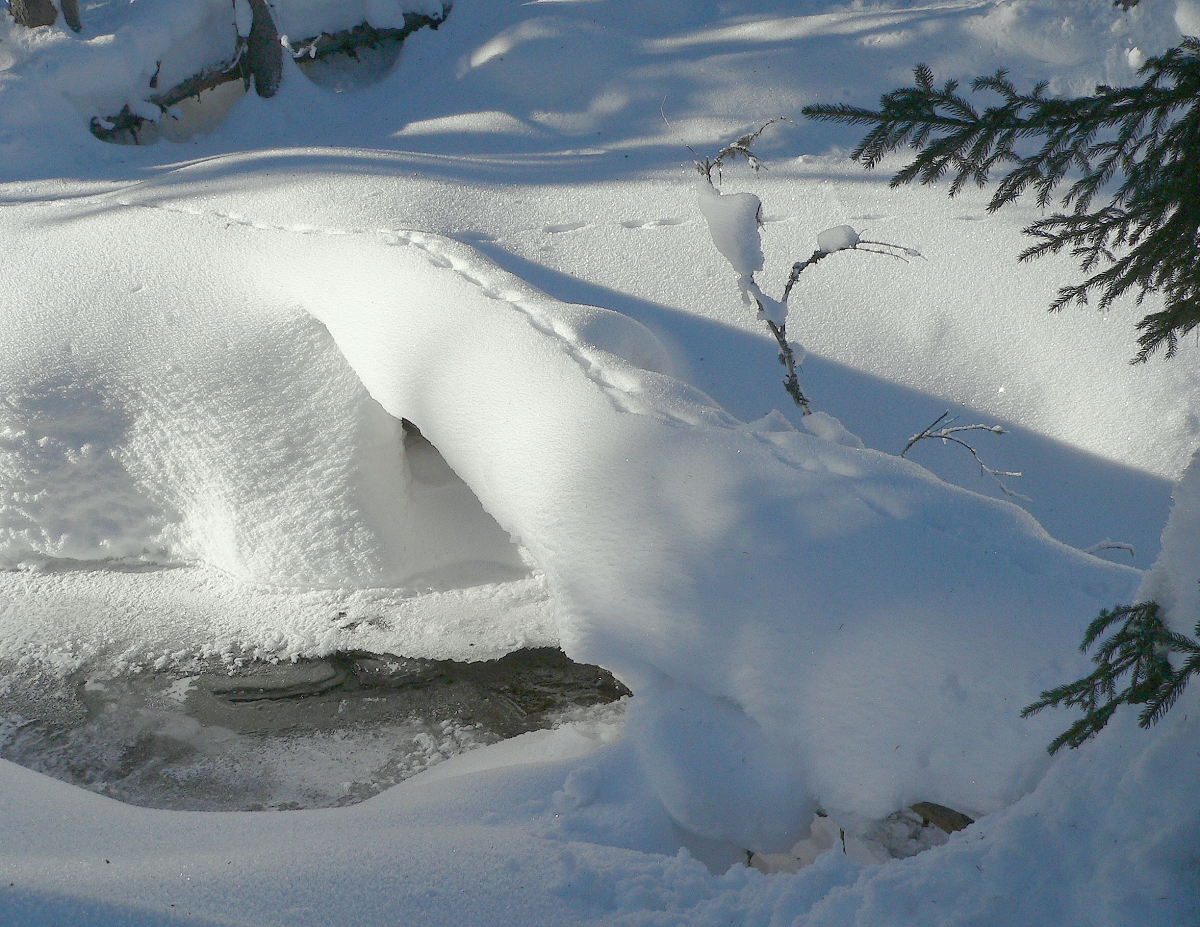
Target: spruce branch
<point>1143,138</point>
<point>1140,648</point>
<point>948,434</point>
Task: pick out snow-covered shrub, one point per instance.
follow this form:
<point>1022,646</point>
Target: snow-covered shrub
<point>133,64</point>
<point>734,221</point>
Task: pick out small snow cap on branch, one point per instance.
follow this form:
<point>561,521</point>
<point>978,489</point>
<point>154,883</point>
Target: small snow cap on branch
<point>733,222</point>
<point>838,238</point>
<point>844,237</point>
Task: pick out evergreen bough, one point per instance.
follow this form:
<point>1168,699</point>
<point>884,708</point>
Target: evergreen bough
<point>1144,236</point>
<point>1129,158</point>
<point>1141,646</point>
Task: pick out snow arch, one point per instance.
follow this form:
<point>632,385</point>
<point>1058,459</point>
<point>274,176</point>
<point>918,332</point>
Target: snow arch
<point>775,601</point>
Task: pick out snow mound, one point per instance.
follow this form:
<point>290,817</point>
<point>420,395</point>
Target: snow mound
<point>1174,579</point>
<point>767,594</point>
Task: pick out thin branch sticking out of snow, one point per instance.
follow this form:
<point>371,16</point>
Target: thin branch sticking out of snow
<point>734,221</point>
<point>739,147</point>
<point>787,357</point>
<point>1109,544</point>
<point>947,434</point>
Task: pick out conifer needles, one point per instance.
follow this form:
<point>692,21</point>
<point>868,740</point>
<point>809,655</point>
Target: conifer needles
<point>1141,236</point>
<point>1140,647</point>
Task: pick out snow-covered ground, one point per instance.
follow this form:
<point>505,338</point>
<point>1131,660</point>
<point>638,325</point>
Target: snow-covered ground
<point>207,349</point>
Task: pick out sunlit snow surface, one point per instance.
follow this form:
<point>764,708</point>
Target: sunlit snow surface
<point>206,352</point>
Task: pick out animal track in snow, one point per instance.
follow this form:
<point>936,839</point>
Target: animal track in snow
<point>618,388</point>
<point>565,227</point>
<point>651,223</point>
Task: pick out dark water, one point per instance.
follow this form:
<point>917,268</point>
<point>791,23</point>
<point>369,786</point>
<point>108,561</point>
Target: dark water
<point>316,733</point>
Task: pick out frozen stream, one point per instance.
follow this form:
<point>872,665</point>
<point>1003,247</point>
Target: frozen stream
<point>310,734</point>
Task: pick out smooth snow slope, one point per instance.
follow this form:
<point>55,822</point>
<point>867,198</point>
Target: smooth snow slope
<point>802,623</point>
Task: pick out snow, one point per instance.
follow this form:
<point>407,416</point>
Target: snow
<point>733,222</point>
<point>824,425</point>
<point>837,238</point>
<point>1171,580</point>
<point>243,17</point>
<point>1187,17</point>
<point>207,351</point>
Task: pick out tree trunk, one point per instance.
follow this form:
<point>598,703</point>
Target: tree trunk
<point>264,54</point>
<point>33,13</point>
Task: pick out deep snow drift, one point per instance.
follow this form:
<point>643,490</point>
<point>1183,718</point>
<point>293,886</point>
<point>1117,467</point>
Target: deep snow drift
<point>207,352</point>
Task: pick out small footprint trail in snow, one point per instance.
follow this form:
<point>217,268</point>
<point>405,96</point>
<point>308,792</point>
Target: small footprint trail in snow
<point>627,339</point>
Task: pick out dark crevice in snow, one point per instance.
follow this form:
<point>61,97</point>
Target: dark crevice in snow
<point>260,736</point>
<point>460,542</point>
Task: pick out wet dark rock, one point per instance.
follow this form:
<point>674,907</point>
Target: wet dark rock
<point>70,11</point>
<point>264,55</point>
<point>947,819</point>
<point>282,681</point>
<point>33,13</point>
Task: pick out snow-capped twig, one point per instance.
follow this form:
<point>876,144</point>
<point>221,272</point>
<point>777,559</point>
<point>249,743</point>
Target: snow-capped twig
<point>1109,544</point>
<point>787,357</point>
<point>900,252</point>
<point>798,269</point>
<point>734,223</point>
<point>739,147</point>
<point>947,434</point>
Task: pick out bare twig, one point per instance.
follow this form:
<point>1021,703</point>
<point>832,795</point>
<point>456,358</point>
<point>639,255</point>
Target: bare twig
<point>905,250</point>
<point>786,356</point>
<point>947,435</point>
<point>798,269</point>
